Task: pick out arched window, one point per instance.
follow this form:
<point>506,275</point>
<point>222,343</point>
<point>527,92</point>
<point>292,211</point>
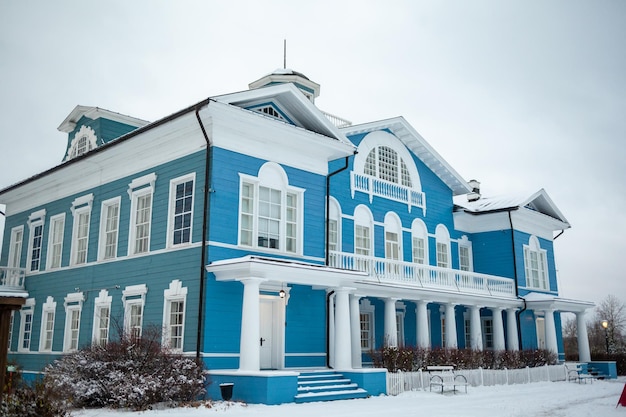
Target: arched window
<point>419,238</point>
<point>536,265</point>
<point>384,168</point>
<point>84,141</point>
<point>442,236</point>
<point>334,225</point>
<point>465,254</point>
<point>270,211</point>
<point>393,237</point>
<point>363,231</point>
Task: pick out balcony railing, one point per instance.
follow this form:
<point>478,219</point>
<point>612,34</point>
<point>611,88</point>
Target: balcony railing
<point>424,276</point>
<point>12,278</point>
<point>389,190</point>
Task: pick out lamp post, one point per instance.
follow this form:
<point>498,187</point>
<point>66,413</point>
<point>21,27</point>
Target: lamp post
<point>605,326</point>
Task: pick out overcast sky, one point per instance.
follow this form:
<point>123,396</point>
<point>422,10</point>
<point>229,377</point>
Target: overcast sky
<point>520,95</point>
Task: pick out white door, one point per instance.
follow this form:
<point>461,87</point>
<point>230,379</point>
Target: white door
<point>541,333</point>
<point>267,333</point>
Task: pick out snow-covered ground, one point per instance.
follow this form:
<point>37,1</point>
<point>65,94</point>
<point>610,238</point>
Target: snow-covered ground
<point>542,399</point>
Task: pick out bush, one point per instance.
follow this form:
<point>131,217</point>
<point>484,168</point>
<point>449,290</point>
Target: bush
<point>407,359</point>
<point>130,373</point>
<point>32,401</point>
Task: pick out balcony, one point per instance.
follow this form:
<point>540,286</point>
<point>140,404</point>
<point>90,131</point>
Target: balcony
<point>12,279</point>
<point>424,276</point>
<point>389,190</point>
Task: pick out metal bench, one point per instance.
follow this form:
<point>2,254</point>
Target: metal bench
<point>575,373</point>
<point>444,376</point>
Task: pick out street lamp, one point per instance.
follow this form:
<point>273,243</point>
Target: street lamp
<point>605,326</point>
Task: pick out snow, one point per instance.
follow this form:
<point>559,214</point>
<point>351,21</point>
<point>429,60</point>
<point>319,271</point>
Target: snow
<point>542,399</point>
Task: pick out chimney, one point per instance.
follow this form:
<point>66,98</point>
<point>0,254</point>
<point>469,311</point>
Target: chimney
<point>475,194</point>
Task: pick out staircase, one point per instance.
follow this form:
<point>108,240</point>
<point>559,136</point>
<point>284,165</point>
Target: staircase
<point>326,386</point>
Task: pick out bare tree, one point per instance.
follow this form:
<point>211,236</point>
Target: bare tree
<point>613,311</point>
<point>570,337</point>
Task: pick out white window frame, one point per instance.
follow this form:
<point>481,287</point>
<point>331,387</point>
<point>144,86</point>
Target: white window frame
<point>139,188</point>
<point>419,233</point>
<point>11,324</point>
<point>15,248</point>
<point>171,222</point>
<point>27,310</point>
<point>488,340</point>
<point>81,211</point>
<point>466,261</point>
<point>48,313</point>
<point>101,303</point>
<point>442,237</point>
<point>393,237</point>
<point>85,136</point>
<point>73,303</point>
<point>289,218</point>
<point>107,229</point>
<point>133,296</point>
<point>400,315</point>
<point>334,218</point>
<point>366,309</point>
<point>35,220</point>
<point>55,241</point>
<point>174,294</point>
<point>541,258</point>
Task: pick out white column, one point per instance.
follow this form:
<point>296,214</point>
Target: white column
<point>250,345</point>
<point>391,325</point>
<point>343,345</point>
<point>355,331</point>
<point>551,343</point>
<point>451,341</point>
<point>583,340</point>
<point>331,330</point>
<point>423,335</point>
<point>511,325</point>
<point>476,328</point>
<point>498,329</point>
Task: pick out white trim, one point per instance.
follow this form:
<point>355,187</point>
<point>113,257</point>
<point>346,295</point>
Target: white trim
<point>133,295</point>
<point>103,300</point>
<point>171,210</point>
<point>102,236</point>
<point>80,206</point>
<point>149,180</point>
<point>11,261</point>
<point>175,292</point>
<point>36,219</point>
<point>134,195</point>
<point>48,307</point>
<point>51,236</point>
<point>27,309</point>
<point>366,307</point>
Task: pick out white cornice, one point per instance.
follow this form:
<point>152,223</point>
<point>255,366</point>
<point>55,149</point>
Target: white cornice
<point>93,113</point>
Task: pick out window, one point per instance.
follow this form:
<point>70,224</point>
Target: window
<point>102,318</point>
<point>81,210</point>
<point>468,333</point>
<point>384,163</point>
<point>465,254</point>
<point>367,325</point>
<point>270,211</point>
<point>487,333</point>
<point>35,223</point>
<point>174,315</point>
<point>47,325</point>
<point>109,229</point>
<point>73,307</point>
<point>181,210</point>
<point>443,246</point>
<point>133,298</point>
<point>400,328</point>
<point>55,241</point>
<point>84,140</point>
<point>11,322</point>
<point>15,248</point>
<point>535,264</point>
<point>363,224</point>
<point>140,191</point>
<point>269,110</point>
<point>419,239</point>
<point>393,237</point>
<point>26,325</point>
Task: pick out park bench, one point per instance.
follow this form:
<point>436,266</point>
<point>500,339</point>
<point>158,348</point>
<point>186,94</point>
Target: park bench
<point>444,377</point>
<point>575,373</point>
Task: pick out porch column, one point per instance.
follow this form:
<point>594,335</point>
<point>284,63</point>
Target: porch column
<point>331,330</point>
<point>498,329</point>
<point>476,328</point>
<point>391,325</point>
<point>423,335</point>
<point>355,331</point>
<point>583,339</point>
<point>551,343</point>
<point>343,345</point>
<point>511,325</point>
<point>250,345</point>
<point>451,341</point>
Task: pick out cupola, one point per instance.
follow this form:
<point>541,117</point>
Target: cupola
<point>285,75</point>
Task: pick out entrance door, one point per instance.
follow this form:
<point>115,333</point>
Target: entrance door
<point>267,341</point>
<point>541,332</point>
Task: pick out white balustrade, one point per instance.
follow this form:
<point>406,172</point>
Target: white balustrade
<point>389,190</point>
<point>423,276</point>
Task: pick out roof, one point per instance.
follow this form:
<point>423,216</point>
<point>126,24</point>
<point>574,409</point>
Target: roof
<point>418,145</point>
<point>539,202</point>
<point>91,112</point>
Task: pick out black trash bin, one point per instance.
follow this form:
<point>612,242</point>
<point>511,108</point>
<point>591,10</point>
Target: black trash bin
<point>226,390</point>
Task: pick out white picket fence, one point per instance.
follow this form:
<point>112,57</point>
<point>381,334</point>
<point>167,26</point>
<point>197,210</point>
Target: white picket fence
<point>399,382</point>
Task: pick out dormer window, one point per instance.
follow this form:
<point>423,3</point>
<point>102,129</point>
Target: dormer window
<point>83,142</point>
<point>384,168</point>
<point>271,111</point>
